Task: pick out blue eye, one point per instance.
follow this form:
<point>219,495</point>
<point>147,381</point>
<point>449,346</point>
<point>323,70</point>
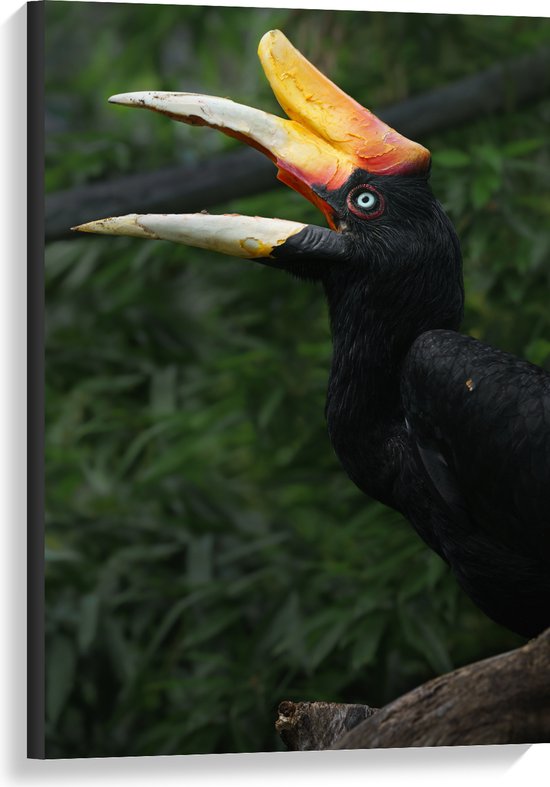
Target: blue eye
<point>365,202</point>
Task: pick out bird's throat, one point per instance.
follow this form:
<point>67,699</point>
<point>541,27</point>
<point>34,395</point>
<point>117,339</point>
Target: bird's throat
<point>363,410</point>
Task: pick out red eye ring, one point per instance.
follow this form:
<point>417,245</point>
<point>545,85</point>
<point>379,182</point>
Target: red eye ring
<point>365,214</point>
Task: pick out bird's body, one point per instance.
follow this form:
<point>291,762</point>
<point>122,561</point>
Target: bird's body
<point>450,432</point>
<point>453,434</point>
<point>479,424</point>
<point>466,460</point>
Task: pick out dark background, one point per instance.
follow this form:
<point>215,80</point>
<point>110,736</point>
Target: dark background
<point>206,556</point>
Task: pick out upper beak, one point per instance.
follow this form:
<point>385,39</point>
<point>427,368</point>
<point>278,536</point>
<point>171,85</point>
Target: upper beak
<point>327,137</point>
<point>303,158</point>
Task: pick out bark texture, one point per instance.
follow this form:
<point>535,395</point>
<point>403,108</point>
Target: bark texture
<point>501,700</point>
<point>313,726</point>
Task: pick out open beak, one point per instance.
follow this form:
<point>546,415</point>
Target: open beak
<point>327,137</point>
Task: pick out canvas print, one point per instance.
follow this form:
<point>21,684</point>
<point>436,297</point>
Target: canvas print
<point>297,389</point>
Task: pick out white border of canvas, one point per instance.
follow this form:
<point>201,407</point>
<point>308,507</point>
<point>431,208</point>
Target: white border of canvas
<point>474,765</point>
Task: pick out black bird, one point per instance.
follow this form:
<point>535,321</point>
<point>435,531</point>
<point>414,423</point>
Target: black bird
<point>449,431</point>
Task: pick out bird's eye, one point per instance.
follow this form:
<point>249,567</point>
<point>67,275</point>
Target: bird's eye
<point>365,202</point>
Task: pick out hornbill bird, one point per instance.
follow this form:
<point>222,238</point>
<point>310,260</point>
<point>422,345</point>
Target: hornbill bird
<point>452,433</point>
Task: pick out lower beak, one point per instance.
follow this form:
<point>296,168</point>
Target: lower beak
<point>273,241</point>
<point>250,237</point>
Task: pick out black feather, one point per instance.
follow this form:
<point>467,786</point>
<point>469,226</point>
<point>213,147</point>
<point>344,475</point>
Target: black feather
<point>451,432</point>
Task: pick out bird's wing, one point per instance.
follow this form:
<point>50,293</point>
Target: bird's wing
<point>480,421</point>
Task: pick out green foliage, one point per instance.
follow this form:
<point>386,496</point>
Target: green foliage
<point>206,556</point>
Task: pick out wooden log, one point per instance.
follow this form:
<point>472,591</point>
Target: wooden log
<point>504,699</point>
<point>314,726</point>
<point>501,700</point>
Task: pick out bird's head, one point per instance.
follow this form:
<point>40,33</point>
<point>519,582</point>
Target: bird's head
<point>370,182</point>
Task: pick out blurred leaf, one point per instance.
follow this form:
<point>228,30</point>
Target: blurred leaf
<point>521,147</point>
<point>538,351</point>
<point>366,646</point>
<point>89,613</point>
<point>452,158</point>
<point>203,630</point>
<point>421,632</point>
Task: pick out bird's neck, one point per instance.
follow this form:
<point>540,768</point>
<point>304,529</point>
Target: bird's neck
<point>364,414</point>
<point>378,307</point>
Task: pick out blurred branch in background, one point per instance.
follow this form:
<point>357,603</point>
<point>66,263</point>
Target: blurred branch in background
<point>242,173</point>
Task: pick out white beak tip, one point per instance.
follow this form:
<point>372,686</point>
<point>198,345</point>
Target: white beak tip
<point>128,99</point>
<point>117,225</point>
<point>87,227</point>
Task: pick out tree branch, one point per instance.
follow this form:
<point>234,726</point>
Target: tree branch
<point>178,189</point>
<point>245,172</point>
<point>315,726</point>
<point>501,700</point>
